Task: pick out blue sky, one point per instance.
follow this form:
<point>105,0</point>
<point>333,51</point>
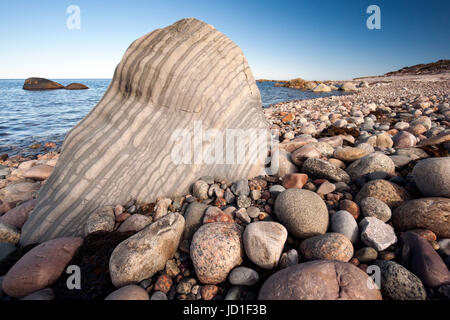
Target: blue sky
<point>281,39</point>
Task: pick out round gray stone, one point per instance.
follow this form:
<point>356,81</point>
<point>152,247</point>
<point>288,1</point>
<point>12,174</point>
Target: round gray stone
<point>344,223</point>
<point>374,162</point>
<point>322,169</point>
<point>243,276</point>
<point>130,292</point>
<point>432,176</point>
<point>234,293</point>
<point>302,212</point>
<point>158,295</point>
<point>373,207</point>
<point>193,219</point>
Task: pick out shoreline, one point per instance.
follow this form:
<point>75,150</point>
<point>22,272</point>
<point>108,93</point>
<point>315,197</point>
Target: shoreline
<point>339,150</point>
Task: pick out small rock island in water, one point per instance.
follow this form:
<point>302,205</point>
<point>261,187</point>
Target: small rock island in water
<point>39,84</point>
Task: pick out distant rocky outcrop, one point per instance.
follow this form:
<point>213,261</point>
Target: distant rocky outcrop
<point>38,84</point>
<point>305,85</point>
<point>268,80</point>
<point>348,86</point>
<point>41,84</point>
<point>168,80</point>
<point>76,86</point>
<point>321,88</point>
<point>297,83</point>
<point>429,68</point>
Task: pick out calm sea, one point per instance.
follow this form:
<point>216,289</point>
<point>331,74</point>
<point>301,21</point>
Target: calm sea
<point>28,117</point>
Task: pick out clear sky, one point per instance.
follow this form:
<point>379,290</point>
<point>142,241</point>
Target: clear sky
<point>281,39</point>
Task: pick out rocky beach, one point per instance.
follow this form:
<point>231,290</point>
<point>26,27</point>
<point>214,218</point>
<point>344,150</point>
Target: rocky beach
<point>359,208</point>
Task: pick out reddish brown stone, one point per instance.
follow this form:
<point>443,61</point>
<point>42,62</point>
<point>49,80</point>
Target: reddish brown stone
<point>40,267</point>
<point>392,132</point>
<point>288,117</point>
<point>5,207</point>
<point>420,258</point>
<point>295,180</point>
<point>386,255</point>
<point>209,291</point>
<point>214,214</point>
<point>50,145</point>
<point>17,216</point>
<point>257,184</point>
<point>318,182</point>
<point>76,86</point>
<point>163,283</point>
<point>319,280</point>
<point>220,202</point>
<point>354,261</point>
<point>328,246</point>
<point>425,213</point>
<point>122,217</point>
<point>41,84</point>
<point>350,206</point>
<point>216,249</point>
<point>261,216</point>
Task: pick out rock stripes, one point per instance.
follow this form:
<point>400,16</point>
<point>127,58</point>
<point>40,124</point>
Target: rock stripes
<point>121,150</point>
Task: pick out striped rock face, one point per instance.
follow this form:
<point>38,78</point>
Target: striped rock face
<point>185,76</point>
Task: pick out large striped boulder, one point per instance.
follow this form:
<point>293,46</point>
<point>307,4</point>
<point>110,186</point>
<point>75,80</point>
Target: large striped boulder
<point>172,87</point>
